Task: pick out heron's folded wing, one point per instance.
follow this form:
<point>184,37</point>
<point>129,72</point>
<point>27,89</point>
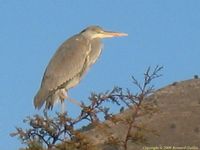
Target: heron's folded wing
<point>66,63</point>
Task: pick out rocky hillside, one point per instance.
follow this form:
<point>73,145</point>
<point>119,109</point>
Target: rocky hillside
<point>176,122</point>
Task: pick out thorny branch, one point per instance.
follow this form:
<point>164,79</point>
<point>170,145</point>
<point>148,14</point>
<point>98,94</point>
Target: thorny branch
<point>52,131</point>
<point>145,90</point>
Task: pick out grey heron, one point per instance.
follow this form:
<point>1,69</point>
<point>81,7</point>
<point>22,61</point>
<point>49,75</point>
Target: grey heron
<point>69,63</point>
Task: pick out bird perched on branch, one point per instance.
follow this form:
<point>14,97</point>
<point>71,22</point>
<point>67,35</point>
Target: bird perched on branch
<point>68,65</point>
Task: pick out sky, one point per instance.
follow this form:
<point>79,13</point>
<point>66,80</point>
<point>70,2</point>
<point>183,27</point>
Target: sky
<point>164,33</point>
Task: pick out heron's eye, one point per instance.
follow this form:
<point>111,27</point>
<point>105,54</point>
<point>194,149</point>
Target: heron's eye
<point>99,31</point>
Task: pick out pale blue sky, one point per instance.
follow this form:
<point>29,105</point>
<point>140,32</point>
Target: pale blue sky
<point>160,33</point>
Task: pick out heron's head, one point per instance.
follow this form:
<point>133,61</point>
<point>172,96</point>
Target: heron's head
<point>93,32</point>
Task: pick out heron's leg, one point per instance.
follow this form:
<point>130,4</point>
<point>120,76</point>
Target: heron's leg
<point>74,101</point>
<point>62,107</point>
<point>45,112</point>
<point>63,96</point>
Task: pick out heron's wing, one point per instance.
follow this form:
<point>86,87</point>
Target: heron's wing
<point>66,63</point>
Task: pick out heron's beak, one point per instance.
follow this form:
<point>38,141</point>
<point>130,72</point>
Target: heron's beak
<point>109,34</point>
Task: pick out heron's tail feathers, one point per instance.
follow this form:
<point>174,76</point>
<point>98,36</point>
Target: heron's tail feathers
<point>39,99</point>
<point>44,96</point>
